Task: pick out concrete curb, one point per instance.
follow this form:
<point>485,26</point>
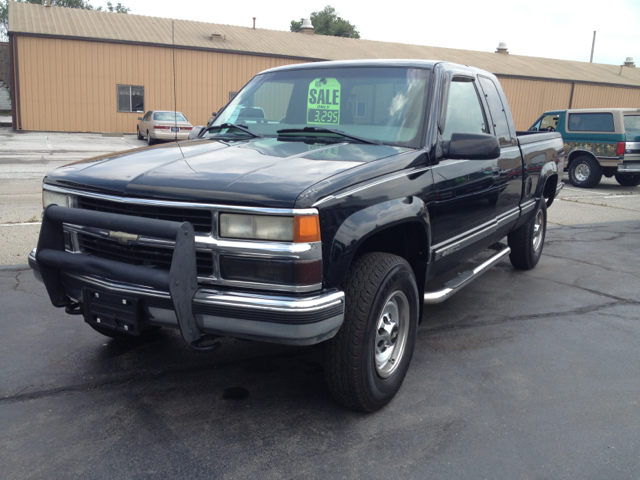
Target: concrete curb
<point>14,268</point>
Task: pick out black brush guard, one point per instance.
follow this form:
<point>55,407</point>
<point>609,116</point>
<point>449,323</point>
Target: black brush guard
<point>181,281</point>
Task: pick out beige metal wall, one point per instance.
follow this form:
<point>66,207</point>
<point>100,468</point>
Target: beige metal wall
<point>528,99</point>
<point>69,85</point>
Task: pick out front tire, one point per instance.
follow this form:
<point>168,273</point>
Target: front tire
<point>140,137</point>
<point>367,360</point>
<point>628,180</point>
<point>585,172</point>
<point>527,241</point>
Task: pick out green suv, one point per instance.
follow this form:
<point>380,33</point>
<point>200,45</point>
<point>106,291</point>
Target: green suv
<point>599,141</point>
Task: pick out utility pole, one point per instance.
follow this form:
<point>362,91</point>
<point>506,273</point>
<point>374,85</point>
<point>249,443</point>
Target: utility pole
<point>593,45</point>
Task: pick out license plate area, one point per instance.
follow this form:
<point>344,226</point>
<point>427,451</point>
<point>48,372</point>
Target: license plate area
<point>175,129</point>
<point>113,311</point>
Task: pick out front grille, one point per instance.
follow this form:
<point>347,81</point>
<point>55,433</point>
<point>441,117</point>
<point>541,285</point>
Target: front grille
<point>140,254</point>
<point>199,218</point>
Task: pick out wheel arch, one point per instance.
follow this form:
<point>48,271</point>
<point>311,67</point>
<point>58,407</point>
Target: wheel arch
<point>400,227</point>
<point>578,153</point>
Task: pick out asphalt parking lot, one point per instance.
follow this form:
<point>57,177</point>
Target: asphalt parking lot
<point>521,375</point>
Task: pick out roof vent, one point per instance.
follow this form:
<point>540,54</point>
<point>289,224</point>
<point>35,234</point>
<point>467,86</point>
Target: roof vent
<point>502,48</point>
<point>306,27</point>
<point>628,62</point>
<point>217,36</point>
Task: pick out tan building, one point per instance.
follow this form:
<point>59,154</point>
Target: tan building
<point>88,71</point>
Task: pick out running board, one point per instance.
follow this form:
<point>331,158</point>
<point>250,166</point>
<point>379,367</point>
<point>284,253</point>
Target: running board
<point>465,278</point>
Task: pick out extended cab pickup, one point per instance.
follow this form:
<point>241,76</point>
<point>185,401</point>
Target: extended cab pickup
<point>315,208</point>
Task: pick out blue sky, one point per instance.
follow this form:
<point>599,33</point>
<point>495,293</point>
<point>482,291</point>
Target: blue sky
<point>560,29</point>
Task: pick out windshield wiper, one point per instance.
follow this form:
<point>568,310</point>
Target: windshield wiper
<point>329,130</point>
<point>233,125</point>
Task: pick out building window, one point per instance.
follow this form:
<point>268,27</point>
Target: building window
<point>130,98</point>
<point>360,109</point>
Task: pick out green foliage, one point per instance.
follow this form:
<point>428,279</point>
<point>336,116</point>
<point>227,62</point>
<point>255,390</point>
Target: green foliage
<point>84,4</point>
<point>327,22</point>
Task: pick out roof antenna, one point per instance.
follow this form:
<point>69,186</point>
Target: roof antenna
<point>175,96</point>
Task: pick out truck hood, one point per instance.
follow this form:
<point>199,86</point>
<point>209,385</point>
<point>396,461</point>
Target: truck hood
<point>259,172</point>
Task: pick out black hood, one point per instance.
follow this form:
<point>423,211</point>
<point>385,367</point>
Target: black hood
<point>259,172</point>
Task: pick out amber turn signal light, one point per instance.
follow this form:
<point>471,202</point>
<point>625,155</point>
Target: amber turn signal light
<point>306,228</point>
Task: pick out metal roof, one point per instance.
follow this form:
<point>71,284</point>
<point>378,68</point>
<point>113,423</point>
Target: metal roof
<point>33,19</point>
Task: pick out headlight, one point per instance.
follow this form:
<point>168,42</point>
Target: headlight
<point>51,198</point>
<point>261,227</point>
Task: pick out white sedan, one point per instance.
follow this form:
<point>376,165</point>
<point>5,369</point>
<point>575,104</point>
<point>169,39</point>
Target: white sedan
<point>163,125</point>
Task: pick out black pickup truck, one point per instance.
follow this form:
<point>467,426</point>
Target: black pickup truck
<point>315,208</point>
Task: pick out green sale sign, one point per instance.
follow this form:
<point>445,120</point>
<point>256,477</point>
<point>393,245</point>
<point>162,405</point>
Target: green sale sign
<point>323,102</point>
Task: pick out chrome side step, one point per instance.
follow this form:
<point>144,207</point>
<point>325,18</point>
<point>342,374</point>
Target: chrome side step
<point>465,278</point>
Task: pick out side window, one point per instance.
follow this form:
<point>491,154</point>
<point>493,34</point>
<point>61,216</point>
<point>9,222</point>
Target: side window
<point>632,124</point>
<point>496,109</point>
<point>130,98</point>
<point>464,111</point>
<point>549,123</point>
<point>590,122</point>
<point>146,117</point>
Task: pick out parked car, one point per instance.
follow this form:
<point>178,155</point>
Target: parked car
<point>599,141</point>
<point>163,125</point>
<point>316,208</point>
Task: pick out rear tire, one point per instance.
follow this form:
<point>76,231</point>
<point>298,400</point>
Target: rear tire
<point>628,180</point>
<point>585,172</point>
<point>367,360</point>
<point>527,241</point>
<point>150,141</point>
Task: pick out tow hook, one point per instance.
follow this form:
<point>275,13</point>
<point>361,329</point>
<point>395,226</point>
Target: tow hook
<point>206,343</point>
<point>74,308</point>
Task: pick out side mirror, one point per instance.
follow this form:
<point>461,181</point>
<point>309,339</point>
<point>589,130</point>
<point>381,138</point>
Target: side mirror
<point>195,131</point>
<point>473,146</point>
<point>214,114</point>
<point>139,118</point>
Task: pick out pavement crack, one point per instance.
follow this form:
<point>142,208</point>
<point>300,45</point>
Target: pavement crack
<point>590,264</point>
<point>538,316</point>
<point>15,287</point>
<point>138,378</point>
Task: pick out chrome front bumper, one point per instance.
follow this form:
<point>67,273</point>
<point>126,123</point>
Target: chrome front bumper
<point>273,318</point>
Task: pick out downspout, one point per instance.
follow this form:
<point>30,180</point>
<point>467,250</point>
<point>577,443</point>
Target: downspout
<point>573,87</point>
<point>12,84</point>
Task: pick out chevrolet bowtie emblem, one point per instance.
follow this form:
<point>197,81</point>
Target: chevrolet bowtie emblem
<point>123,237</point>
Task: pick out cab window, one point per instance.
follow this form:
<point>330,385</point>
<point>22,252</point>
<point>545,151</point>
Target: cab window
<point>496,109</point>
<point>464,112</point>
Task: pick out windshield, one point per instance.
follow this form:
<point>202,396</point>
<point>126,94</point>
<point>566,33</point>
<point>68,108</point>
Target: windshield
<point>169,117</point>
<point>378,104</point>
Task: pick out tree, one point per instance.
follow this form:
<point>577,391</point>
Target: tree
<point>84,4</point>
<point>327,22</point>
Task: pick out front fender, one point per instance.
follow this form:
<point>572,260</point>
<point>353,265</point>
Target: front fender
<point>360,226</point>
